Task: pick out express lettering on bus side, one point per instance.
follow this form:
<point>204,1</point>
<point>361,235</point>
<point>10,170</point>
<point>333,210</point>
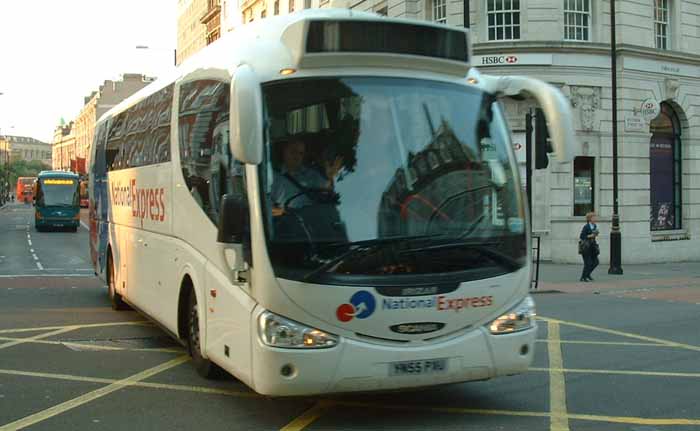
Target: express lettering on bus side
<point>147,202</point>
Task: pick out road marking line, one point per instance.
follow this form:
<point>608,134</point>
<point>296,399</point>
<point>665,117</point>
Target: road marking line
<point>88,325</point>
<point>610,343</point>
<point>35,257</point>
<point>557,384</point>
<point>96,347</point>
<point>37,337</point>
<point>30,242</point>
<point>82,223</point>
<point>91,396</point>
<point>450,410</point>
<point>621,372</point>
<point>46,275</point>
<point>38,265</point>
<point>467,411</point>
<point>634,420</point>
<point>308,417</point>
<point>624,334</point>
<point>31,250</point>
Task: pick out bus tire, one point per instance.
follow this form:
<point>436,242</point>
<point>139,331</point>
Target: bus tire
<point>204,367</point>
<point>114,297</point>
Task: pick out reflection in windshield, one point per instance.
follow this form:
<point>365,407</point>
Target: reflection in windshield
<point>408,164</point>
<point>58,194</point>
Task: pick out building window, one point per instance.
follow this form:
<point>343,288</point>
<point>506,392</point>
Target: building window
<point>503,18</point>
<point>439,11</point>
<point>584,185</point>
<point>383,11</point>
<point>277,7</point>
<point>307,4</point>
<point>263,14</point>
<point>665,171</point>
<point>661,23</point>
<point>577,20</point>
<point>291,6</point>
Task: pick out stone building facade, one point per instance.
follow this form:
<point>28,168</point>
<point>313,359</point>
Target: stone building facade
<point>191,31</point>
<point>567,43</point>
<point>28,149</point>
<point>63,148</point>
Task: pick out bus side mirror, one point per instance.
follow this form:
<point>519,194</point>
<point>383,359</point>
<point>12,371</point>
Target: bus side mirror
<point>234,225</point>
<point>245,116</point>
<point>233,219</point>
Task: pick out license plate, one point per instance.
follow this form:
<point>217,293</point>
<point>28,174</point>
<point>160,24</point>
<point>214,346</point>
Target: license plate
<point>416,368</point>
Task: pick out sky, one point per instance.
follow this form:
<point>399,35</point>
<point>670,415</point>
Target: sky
<point>53,53</point>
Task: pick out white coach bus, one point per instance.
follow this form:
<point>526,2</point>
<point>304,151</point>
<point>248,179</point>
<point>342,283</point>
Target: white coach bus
<point>324,202</point>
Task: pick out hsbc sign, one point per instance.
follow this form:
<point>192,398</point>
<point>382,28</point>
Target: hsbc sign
<point>498,59</point>
<point>512,60</point>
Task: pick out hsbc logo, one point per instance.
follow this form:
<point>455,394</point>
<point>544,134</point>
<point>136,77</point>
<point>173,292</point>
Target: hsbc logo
<point>490,60</point>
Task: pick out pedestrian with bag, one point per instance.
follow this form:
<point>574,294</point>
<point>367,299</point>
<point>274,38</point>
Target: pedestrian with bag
<point>588,247</point>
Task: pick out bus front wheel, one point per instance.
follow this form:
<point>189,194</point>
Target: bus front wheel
<point>114,297</point>
<point>204,367</point>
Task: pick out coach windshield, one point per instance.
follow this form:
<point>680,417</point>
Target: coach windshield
<point>369,179</point>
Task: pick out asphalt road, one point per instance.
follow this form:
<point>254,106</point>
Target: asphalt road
<point>67,361</point>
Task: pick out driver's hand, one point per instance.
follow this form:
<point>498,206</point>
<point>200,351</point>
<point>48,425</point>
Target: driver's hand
<point>277,211</point>
<point>332,168</point>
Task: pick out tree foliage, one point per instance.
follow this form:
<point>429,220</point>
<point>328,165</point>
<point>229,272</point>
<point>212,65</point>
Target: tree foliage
<point>23,168</point>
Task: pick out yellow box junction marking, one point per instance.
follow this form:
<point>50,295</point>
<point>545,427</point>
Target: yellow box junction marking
<point>624,334</point>
<point>357,404</point>
<point>308,417</point>
<point>88,325</point>
<point>86,346</point>
<point>37,337</point>
<point>91,396</point>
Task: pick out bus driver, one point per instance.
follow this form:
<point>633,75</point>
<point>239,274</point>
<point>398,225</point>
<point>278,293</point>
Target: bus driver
<point>293,177</point>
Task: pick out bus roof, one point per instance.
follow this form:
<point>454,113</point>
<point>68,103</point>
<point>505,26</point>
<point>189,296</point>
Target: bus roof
<point>57,174</point>
<point>280,42</point>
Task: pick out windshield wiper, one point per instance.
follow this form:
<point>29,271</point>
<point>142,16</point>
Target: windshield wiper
<point>360,247</point>
<point>484,247</point>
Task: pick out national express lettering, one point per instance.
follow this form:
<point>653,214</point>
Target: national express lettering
<point>145,203</point>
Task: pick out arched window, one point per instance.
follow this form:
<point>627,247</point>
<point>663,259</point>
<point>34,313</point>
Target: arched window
<point>665,171</point>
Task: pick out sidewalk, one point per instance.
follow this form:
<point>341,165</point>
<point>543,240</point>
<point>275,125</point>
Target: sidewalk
<point>666,281</point>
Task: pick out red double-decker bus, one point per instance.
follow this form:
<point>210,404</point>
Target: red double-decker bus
<point>25,189</point>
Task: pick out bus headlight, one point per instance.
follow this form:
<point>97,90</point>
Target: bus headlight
<point>519,318</point>
<point>277,331</point>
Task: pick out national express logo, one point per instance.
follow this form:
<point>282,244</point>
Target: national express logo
<point>361,306</point>
<point>145,203</point>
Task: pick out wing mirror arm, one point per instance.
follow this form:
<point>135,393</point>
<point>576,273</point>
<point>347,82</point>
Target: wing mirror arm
<point>554,104</point>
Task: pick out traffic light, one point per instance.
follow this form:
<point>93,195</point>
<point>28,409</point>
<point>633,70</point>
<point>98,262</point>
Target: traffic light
<point>542,143</point>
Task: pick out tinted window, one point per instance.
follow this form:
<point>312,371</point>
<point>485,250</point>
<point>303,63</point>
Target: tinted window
<point>140,136</point>
<point>207,165</point>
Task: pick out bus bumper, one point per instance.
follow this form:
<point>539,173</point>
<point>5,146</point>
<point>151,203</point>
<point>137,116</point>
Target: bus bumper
<point>55,222</point>
<point>354,365</point>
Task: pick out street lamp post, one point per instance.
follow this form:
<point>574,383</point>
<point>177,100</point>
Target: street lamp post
<point>615,234</point>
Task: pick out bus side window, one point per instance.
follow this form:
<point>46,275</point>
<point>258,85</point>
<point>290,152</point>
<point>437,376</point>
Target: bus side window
<point>204,153</point>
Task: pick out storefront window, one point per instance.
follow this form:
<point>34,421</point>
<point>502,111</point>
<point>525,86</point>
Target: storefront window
<point>665,171</point>
<point>583,185</point>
